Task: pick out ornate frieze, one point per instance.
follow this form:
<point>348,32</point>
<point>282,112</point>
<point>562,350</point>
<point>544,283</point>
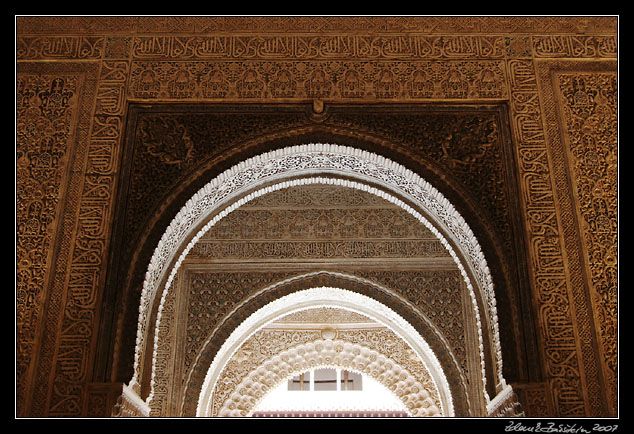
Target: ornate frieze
<point>318,250</point>
<point>575,46</point>
<point>335,79</point>
<point>307,47</point>
<point>59,47</point>
<point>319,234</point>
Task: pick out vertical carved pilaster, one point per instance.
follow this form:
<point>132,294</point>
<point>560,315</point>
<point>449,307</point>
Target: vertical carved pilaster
<point>590,120</point>
<point>46,108</point>
<point>580,110</point>
<point>560,352</point>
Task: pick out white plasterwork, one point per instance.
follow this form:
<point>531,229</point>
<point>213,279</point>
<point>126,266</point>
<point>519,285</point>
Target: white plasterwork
<point>235,340</point>
<point>315,162</point>
<point>326,297</point>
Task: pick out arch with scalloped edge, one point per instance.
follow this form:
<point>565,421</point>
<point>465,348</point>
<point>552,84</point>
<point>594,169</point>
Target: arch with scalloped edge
<point>326,164</point>
<point>437,400</point>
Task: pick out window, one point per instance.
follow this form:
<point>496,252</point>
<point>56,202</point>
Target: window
<point>335,391</point>
<point>326,379</point>
<point>351,381</point>
<point>300,382</point>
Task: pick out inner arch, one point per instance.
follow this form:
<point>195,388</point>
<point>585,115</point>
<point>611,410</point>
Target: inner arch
<point>339,299</point>
<point>359,186</point>
<point>321,163</point>
<point>374,398</point>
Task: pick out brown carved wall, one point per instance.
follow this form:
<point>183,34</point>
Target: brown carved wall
<point>544,88</point>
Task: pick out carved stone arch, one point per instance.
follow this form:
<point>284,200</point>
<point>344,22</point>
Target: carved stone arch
<point>431,399</point>
<point>363,141</point>
<point>419,400</point>
<point>284,167</point>
<point>412,320</point>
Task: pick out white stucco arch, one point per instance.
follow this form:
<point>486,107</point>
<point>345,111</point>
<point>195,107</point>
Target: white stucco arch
<point>325,164</point>
<point>340,299</point>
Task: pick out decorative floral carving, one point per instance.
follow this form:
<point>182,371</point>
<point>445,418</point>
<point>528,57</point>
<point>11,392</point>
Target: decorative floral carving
<point>590,117</point>
<point>43,139</point>
<point>349,80</point>
<point>167,140</point>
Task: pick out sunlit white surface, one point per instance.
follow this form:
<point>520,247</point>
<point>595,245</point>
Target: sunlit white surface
<point>323,297</point>
<point>374,396</point>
